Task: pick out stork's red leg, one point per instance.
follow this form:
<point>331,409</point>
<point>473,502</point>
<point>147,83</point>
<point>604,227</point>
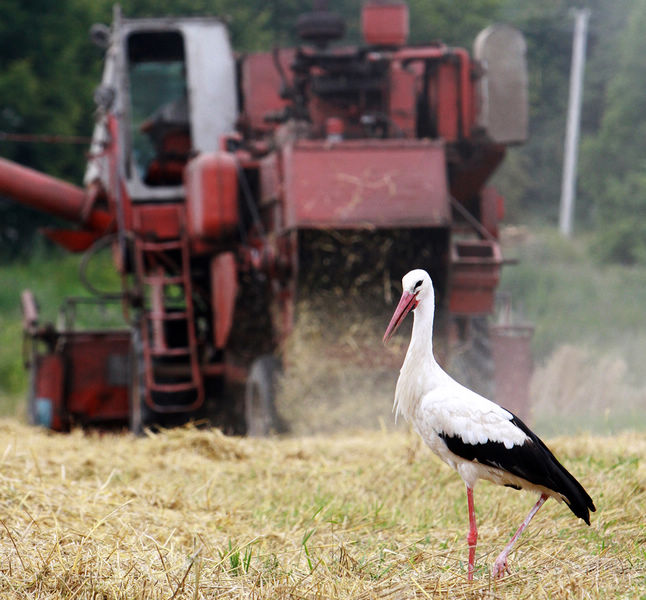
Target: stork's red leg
<point>500,565</point>
<point>472,538</point>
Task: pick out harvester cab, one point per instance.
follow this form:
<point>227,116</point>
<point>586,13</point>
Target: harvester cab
<point>222,182</point>
<point>171,86</point>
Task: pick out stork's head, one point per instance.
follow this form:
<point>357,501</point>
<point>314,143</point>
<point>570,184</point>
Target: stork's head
<point>416,287</point>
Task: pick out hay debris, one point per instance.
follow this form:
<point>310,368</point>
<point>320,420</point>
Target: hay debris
<point>369,515</point>
<point>338,373</point>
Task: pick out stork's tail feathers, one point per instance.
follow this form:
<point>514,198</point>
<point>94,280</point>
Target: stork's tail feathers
<point>571,491</point>
<point>559,479</point>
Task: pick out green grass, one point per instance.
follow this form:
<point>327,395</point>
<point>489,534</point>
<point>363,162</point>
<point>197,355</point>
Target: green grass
<point>193,514</point>
<point>572,300</point>
<point>52,278</point>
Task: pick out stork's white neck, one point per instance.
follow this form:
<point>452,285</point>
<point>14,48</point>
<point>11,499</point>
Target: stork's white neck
<point>421,339</point>
<point>420,371</point>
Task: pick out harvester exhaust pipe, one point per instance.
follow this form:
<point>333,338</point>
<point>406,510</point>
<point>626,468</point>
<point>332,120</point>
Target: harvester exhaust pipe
<point>52,196</point>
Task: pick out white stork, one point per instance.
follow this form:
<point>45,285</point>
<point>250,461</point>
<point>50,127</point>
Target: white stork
<point>479,439</point>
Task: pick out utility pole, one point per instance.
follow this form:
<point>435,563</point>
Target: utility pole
<point>571,151</point>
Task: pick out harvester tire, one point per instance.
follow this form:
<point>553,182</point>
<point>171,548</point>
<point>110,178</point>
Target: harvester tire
<point>261,416</point>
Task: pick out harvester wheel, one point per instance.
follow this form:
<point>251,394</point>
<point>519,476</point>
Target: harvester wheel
<point>261,416</point>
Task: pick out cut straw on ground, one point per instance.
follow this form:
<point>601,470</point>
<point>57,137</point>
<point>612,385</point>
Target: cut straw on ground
<point>190,513</point>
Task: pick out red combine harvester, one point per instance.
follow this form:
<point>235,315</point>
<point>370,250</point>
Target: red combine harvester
<point>212,177</point>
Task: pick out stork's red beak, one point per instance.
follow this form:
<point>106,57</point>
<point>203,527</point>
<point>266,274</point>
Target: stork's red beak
<point>407,303</point>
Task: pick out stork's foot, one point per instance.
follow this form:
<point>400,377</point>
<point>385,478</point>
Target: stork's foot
<point>472,560</point>
<point>500,568</point>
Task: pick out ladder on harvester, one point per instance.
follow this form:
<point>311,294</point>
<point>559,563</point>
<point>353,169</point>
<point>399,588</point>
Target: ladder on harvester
<point>173,382</point>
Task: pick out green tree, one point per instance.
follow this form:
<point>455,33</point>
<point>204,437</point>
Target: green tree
<point>454,23</point>
<point>614,159</point>
<point>531,176</point>
<point>47,70</point>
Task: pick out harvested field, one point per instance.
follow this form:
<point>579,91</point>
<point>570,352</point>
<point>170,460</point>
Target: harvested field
<point>190,514</point>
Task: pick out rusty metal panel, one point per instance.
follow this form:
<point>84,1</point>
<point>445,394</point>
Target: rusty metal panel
<point>403,91</point>
<point>224,286</point>
<point>94,393</point>
<point>211,195</point>
<point>157,221</point>
<point>375,183</point>
<point>448,101</point>
<point>475,273</point>
<point>385,24</point>
<point>261,84</point>
<point>48,407</point>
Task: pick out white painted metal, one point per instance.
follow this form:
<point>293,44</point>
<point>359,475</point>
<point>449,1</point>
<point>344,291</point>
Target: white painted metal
<point>211,83</point>
<point>571,150</point>
<point>503,108</point>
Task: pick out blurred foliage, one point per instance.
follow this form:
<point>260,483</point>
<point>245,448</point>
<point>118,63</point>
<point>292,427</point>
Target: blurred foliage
<point>47,73</point>
<point>614,158</point>
<point>531,179</point>
<point>572,300</point>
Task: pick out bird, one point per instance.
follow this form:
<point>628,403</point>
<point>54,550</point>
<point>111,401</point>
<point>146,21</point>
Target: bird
<point>473,435</point>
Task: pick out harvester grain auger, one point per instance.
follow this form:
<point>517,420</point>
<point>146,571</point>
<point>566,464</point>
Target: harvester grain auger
<point>217,179</point>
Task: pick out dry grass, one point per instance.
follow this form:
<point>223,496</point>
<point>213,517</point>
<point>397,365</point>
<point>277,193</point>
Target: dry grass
<point>193,514</point>
<point>578,388</point>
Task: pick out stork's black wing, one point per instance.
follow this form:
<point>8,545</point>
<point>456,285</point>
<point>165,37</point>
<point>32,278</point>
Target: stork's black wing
<point>532,461</point>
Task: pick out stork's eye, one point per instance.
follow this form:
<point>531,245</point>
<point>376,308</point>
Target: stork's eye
<point>418,284</point>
